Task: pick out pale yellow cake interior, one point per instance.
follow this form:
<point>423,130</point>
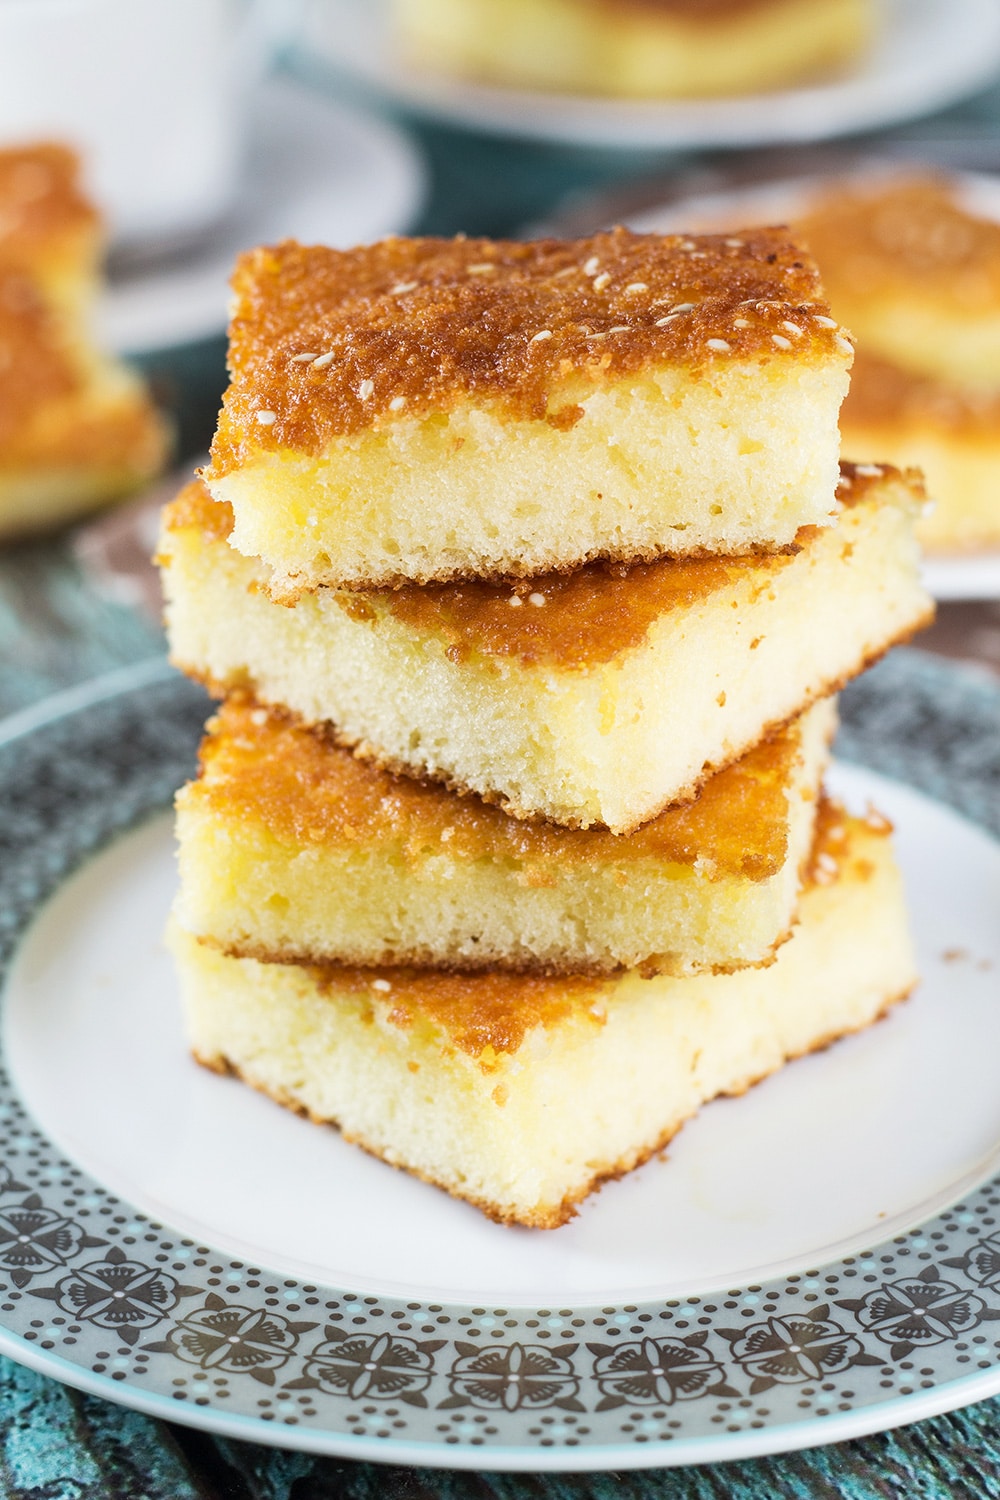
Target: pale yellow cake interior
<point>725,649</point>
<point>643,51</point>
<point>521,1094</point>
<point>291,849</point>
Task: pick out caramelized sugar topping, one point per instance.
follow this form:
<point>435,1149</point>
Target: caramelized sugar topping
<point>833,842</point>
<point>41,205</point>
<point>882,393</point>
<point>570,620</point>
<point>260,766</point>
<point>325,343</point>
<point>911,236</point>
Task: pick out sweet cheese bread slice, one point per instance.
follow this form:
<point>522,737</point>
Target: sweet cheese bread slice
<point>77,428</point>
<point>914,273</point>
<point>951,432</point>
<point>292,850</point>
<point>633,49</point>
<point>525,1094</point>
<point>598,697</point>
<point>425,409</point>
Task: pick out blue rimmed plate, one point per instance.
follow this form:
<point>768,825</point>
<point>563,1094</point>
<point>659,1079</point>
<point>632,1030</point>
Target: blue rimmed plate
<point>817,1260</point>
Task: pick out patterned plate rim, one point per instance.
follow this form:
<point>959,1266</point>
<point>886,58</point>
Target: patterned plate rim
<point>97,1295</point>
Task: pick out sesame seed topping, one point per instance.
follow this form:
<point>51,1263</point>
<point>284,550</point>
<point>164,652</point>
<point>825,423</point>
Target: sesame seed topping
<point>600,282</point>
<point>734,244</point>
<point>265,418</point>
<point>637,286</point>
<point>323,360</point>
<point>686,245</point>
<point>662,322</point>
<point>404,286</point>
<point>382,985</point>
<point>365,390</point>
<point>792,328</point>
<point>591,266</point>
<point>780,341</point>
<point>824,321</point>
<point>537,600</point>
<point>741,322</point>
<point>719,346</point>
<point>515,601</point>
<point>844,344</point>
<point>619,328</point>
<point>302,359</point>
<point>680,307</point>
<point>543,333</point>
<point>397,403</point>
<point>482,268</point>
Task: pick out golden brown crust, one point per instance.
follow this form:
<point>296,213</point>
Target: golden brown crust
<point>909,237</point>
<point>884,396</point>
<point>46,222</point>
<point>551,1216</point>
<point>415,326</point>
<point>265,767</point>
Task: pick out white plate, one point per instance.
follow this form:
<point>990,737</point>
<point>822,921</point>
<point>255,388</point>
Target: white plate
<point>318,171</point>
<point>927,55</point>
<point>792,1274</point>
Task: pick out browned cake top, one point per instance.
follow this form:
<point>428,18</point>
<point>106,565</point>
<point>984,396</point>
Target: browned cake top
<point>882,394</point>
<point>263,767</point>
<point>35,367</point>
<point>329,342</point>
<point>570,620</point>
<point>695,11</point>
<point>41,204</point>
<point>489,1014</point>
<point>910,237</point>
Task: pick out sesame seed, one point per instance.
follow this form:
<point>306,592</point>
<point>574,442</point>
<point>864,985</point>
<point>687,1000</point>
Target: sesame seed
<point>265,418</point>
<point>382,985</point>
<point>537,600</point>
<point>596,335</point>
<point>843,344</point>
<point>543,333</point>
<point>780,341</point>
<point>302,359</point>
<point>792,328</point>
<point>403,286</point>
<point>687,245</point>
<point>591,266</point>
<point>619,328</point>
<point>868,471</point>
<point>515,601</point>
<point>662,322</point>
<point>482,268</point>
<point>719,346</point>
<point>734,244</point>
<point>365,389</point>
<point>637,286</point>
<point>699,254</point>
<point>680,307</point>
<point>323,361</point>
<point>397,403</point>
<point>741,322</point>
<point>824,322</point>
<point>600,282</point>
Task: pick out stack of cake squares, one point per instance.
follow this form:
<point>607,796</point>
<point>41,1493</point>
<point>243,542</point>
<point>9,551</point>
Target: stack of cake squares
<point>526,572</point>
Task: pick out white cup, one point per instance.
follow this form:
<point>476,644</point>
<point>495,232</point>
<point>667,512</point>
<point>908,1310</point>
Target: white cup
<point>153,94</point>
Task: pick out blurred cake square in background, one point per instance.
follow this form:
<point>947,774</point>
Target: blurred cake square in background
<point>635,49</point>
<point>911,265</point>
<point>77,427</point>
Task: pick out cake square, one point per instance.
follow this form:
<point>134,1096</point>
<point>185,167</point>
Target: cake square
<point>425,409</point>
<point>597,697</point>
<point>524,1094</point>
<point>293,850</point>
<point>77,427</point>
